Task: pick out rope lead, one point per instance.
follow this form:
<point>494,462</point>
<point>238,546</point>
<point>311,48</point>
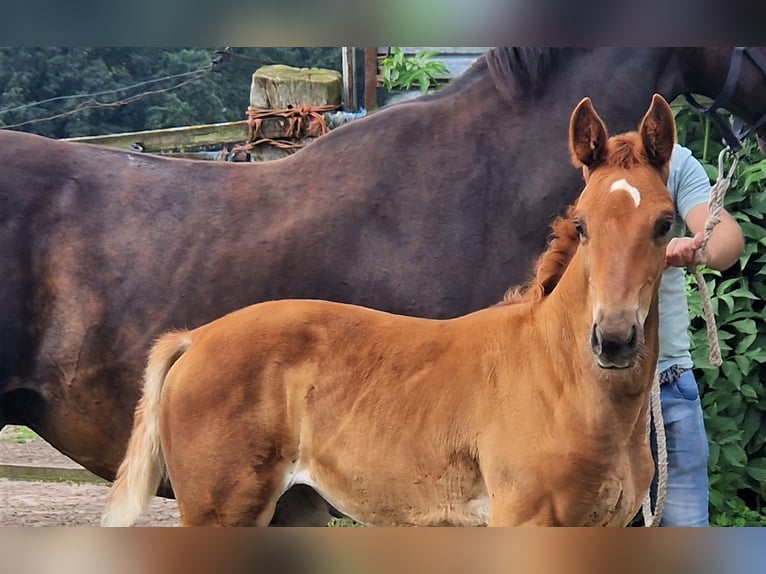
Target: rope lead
<point>717,195</point>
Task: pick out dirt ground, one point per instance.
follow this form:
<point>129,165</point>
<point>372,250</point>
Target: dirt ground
<point>35,503</point>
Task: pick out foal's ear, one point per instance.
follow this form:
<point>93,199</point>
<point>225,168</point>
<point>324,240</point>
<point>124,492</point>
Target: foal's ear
<point>587,136</point>
<point>658,132</point>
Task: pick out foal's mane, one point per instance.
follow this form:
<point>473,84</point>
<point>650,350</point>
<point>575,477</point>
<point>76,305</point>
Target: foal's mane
<point>625,151</point>
<point>550,265</point>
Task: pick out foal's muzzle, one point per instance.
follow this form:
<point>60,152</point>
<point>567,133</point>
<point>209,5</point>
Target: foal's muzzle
<point>615,340</point>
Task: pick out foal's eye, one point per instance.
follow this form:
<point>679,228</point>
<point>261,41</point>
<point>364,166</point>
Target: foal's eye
<point>580,228</point>
<point>663,227</point>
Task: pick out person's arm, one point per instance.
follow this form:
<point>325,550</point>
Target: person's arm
<point>724,248</point>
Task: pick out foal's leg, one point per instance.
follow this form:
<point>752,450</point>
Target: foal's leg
<point>538,504</point>
<point>299,506</point>
<point>510,512</point>
<point>517,500</point>
<point>225,482</point>
<point>223,499</point>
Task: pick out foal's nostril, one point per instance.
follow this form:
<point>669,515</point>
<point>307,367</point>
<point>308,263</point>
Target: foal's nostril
<point>595,340</point>
<point>633,339</point>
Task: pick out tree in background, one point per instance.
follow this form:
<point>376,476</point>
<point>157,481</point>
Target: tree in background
<point>29,75</point>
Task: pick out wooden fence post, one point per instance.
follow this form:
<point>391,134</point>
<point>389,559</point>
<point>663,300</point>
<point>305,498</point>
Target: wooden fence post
<point>349,78</point>
<point>371,78</point>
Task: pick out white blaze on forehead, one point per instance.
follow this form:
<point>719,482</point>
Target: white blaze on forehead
<point>623,185</point>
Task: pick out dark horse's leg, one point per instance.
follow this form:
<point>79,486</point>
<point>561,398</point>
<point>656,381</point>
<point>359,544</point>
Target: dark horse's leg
<point>302,506</point>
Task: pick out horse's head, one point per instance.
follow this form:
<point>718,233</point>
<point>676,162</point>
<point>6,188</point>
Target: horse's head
<point>624,218</point>
<point>734,78</point>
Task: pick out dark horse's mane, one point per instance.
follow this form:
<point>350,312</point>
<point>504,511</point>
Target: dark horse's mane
<point>514,71</point>
<point>622,151</point>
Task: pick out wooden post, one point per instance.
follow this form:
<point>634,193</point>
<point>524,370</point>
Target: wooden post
<point>371,78</point>
<point>349,79</point>
<point>278,87</point>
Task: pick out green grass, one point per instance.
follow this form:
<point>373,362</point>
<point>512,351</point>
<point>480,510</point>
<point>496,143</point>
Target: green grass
<point>19,434</point>
<point>343,523</point>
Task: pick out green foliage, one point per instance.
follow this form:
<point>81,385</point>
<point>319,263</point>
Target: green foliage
<point>30,75</point>
<point>402,72</point>
<point>739,515</point>
<point>734,396</point>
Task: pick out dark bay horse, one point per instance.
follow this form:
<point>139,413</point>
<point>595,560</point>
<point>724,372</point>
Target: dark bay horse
<point>529,413</point>
<point>405,210</point>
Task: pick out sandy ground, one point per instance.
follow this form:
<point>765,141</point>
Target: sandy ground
<point>24,503</point>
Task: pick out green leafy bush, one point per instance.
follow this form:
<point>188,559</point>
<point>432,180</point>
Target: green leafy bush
<point>739,515</point>
<point>733,395</point>
<point>402,72</point>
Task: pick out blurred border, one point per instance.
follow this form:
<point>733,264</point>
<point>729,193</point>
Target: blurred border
<point>381,551</point>
<point>365,22</point>
<point>359,550</point>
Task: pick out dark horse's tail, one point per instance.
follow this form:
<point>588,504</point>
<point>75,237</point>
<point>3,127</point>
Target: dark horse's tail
<point>143,467</point>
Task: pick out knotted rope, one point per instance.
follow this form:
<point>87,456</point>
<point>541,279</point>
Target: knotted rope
<point>717,195</point>
<point>715,205</point>
<point>303,120</point>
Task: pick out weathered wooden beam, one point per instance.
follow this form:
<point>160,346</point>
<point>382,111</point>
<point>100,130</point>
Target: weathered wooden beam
<point>173,139</point>
<point>49,474</point>
<point>190,137</point>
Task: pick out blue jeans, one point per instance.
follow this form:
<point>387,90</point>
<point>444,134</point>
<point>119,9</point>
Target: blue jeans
<point>686,499</point>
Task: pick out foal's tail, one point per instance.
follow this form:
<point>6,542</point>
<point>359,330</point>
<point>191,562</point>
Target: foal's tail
<point>143,467</point>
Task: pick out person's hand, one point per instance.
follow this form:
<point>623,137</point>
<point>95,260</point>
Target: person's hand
<point>681,251</point>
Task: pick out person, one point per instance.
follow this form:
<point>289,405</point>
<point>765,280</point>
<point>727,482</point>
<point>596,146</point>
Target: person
<point>686,499</point>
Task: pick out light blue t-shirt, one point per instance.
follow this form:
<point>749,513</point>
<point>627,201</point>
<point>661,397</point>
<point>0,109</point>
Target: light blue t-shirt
<point>689,186</point>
